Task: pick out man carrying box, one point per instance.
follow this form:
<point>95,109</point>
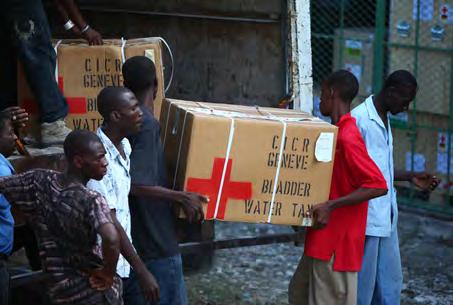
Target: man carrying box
<point>327,272</point>
<point>153,219</point>
<point>381,278</point>
<point>25,35</point>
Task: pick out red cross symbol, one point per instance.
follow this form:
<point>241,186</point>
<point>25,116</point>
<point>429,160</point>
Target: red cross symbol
<point>210,187</point>
<point>77,105</point>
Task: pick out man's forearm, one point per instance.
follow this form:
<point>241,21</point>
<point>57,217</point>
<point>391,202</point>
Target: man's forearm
<point>73,12</point>
<point>126,248</point>
<point>358,196</point>
<point>157,192</point>
<point>110,247</point>
<point>400,175</point>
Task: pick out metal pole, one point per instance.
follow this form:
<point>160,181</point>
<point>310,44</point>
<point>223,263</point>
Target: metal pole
<point>341,38</point>
<point>379,37</point>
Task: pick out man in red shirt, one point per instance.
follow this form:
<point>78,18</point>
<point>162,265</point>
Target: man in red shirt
<point>327,272</point>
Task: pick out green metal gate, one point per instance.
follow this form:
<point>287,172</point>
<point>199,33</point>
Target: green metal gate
<point>374,38</point>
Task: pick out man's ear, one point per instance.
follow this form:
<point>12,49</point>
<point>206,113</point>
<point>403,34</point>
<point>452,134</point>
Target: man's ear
<point>78,161</point>
<point>115,116</point>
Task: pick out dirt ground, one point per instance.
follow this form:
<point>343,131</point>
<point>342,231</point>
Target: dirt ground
<point>260,274</point>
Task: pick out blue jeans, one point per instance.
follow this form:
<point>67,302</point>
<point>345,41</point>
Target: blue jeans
<point>380,279</point>
<point>4,283</point>
<point>25,35</point>
<point>169,276</point>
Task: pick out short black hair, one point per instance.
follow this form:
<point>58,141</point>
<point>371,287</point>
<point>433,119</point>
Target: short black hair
<point>4,118</point>
<point>109,99</point>
<point>399,79</point>
<point>78,142</point>
<point>139,73</point>
<point>345,83</point>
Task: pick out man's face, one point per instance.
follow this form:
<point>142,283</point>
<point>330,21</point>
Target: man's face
<point>399,99</point>
<point>131,117</point>
<point>326,104</point>
<point>93,163</point>
<point>7,139</point>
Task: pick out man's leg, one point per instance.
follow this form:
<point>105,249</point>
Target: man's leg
<point>8,68</point>
<point>389,280</point>
<point>32,40</point>
<point>4,283</point>
<point>368,272</point>
<point>298,286</point>
<point>331,287</point>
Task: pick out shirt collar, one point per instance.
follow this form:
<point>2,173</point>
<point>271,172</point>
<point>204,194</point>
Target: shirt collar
<point>111,148</point>
<point>372,112</point>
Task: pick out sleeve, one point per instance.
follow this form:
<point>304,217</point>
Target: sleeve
<point>105,188</point>
<point>144,159</point>
<point>20,190</point>
<point>364,173</point>
<point>100,211</point>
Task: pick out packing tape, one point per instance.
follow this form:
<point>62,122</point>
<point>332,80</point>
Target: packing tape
<point>123,45</point>
<point>172,63</point>
<point>225,166</point>
<point>56,59</point>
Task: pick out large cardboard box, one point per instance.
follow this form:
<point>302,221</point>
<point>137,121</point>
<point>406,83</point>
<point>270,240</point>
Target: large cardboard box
<point>258,165</point>
<point>83,71</point>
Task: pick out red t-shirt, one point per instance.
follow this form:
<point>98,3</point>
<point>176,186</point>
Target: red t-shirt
<point>344,235</point>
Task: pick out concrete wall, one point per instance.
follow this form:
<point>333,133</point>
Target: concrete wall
<point>215,60</point>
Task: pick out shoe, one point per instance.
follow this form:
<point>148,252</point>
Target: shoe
<point>54,133</point>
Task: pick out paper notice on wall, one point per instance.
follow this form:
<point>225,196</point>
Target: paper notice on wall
<point>419,162</point>
<point>324,147</point>
<point>150,54</point>
<point>426,9</point>
<point>353,47</point>
<point>442,153</point>
<point>354,69</point>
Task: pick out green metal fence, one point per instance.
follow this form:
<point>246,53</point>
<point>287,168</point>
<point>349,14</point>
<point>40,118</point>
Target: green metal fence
<point>374,38</point>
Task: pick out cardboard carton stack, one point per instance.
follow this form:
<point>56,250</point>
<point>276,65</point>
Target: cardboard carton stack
<point>83,71</point>
<point>259,165</point>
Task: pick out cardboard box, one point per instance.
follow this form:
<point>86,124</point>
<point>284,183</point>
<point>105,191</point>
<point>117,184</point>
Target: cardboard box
<point>83,71</point>
<point>200,137</point>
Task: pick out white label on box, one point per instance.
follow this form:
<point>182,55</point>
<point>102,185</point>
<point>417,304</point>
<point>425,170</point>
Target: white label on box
<point>426,9</point>
<point>150,54</point>
<point>354,69</point>
<point>324,147</point>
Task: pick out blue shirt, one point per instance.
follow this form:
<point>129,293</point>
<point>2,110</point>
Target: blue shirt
<point>6,218</point>
<point>382,211</point>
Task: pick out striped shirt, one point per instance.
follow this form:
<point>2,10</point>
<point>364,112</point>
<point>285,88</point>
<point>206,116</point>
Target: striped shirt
<point>65,221</point>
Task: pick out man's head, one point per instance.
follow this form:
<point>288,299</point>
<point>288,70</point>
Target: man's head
<point>139,74</point>
<point>85,153</point>
<point>340,87</point>
<point>120,110</point>
<point>7,136</point>
<point>399,91</point>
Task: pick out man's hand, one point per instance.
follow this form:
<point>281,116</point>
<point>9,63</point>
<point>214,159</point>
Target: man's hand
<point>100,279</point>
<point>149,286</point>
<point>192,205</point>
<point>425,181</point>
<point>93,37</point>
<point>19,117</point>
<point>321,214</point>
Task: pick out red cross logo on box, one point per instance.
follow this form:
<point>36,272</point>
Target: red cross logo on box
<point>210,187</point>
<point>77,105</point>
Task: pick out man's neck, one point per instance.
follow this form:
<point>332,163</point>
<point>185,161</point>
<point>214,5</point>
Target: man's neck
<point>378,102</point>
<point>146,98</point>
<point>73,176</point>
<point>113,134</point>
<point>341,108</point>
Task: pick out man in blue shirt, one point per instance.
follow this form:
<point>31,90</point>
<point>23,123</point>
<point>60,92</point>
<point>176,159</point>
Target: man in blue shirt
<point>380,278</point>
<point>7,147</point>
<point>153,221</point>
